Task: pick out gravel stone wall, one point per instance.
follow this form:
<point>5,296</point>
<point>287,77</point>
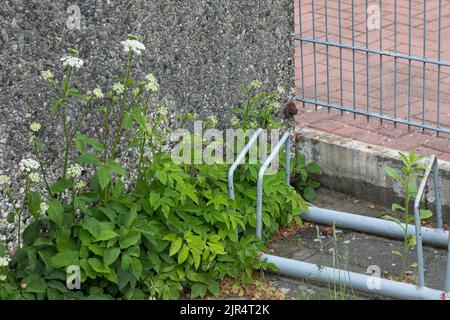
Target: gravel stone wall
<point>202,51</point>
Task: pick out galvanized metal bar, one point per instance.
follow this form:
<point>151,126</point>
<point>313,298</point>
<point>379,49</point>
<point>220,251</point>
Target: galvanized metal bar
<point>367,61</point>
<point>381,227</point>
<point>381,60</point>
<point>409,64</point>
<point>353,280</point>
<point>374,51</point>
<point>437,195</point>
<point>424,55</point>
<point>300,22</point>
<point>438,97</point>
<point>395,63</point>
<point>341,77</point>
<point>447,274</point>
<point>240,157</point>
<point>353,58</point>
<point>314,48</point>
<point>418,224</point>
<point>327,48</point>
<point>373,114</point>
<point>285,140</point>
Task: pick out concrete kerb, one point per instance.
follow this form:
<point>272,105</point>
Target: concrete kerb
<point>357,168</point>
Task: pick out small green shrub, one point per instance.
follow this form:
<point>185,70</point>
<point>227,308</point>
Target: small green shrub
<point>407,179</point>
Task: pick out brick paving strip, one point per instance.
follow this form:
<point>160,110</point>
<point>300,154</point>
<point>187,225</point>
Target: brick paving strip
<point>359,128</point>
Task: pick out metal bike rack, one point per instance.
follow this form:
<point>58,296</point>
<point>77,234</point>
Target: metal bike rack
<point>357,281</point>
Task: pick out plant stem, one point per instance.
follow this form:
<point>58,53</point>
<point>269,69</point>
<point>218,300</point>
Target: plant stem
<point>123,112</point>
<point>44,173</point>
<point>20,212</point>
<point>64,116</point>
<point>108,110</point>
<point>405,240</point>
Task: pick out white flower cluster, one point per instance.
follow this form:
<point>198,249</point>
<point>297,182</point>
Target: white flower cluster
<point>118,87</point>
<point>28,165</point>
<point>136,92</point>
<point>47,75</point>
<point>98,93</point>
<point>281,90</point>
<point>277,105</point>
<point>256,84</point>
<point>133,45</point>
<point>34,177</point>
<point>74,62</point>
<point>43,208</point>
<point>253,124</point>
<point>35,126</point>
<point>2,278</point>
<point>4,180</point>
<point>74,171</point>
<point>163,111</point>
<point>79,185</point>
<point>151,83</point>
<point>4,262</point>
<point>234,121</point>
<point>213,120</point>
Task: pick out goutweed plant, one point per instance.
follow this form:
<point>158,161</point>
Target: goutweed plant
<point>153,230</point>
<point>407,178</point>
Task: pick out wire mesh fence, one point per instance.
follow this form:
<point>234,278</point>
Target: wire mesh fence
<point>385,60</point>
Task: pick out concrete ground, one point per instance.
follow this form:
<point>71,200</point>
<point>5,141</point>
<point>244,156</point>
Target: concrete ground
<point>353,251</point>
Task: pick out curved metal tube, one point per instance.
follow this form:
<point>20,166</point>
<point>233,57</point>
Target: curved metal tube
<point>239,159</point>
<point>286,139</point>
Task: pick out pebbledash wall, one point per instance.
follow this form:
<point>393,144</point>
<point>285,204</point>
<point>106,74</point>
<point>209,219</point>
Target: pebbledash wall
<point>202,51</point>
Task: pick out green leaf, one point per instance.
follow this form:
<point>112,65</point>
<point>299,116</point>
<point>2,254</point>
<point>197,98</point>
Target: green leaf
<point>136,267</point>
<point>10,217</point>
<point>74,92</point>
<point>60,186</point>
<point>117,168</point>
<point>411,241</point>
<point>34,203</point>
<point>213,287</point>
<point>96,144</point>
<point>396,206</point>
<point>98,265</point>
<point>89,158</point>
<point>183,254</point>
<point>309,194</point>
<point>64,259</point>
<point>170,237</point>
<point>106,235</point>
<point>110,256</point>
<point>175,246</point>
<point>393,173</point>
<point>130,239</point>
<point>104,176</point>
<point>127,218</point>
<point>162,176</point>
<point>56,212</point>
<point>390,218</point>
<point>31,233</point>
<point>198,290</point>
<point>425,214</point>
<point>313,168</point>
<point>397,253</point>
